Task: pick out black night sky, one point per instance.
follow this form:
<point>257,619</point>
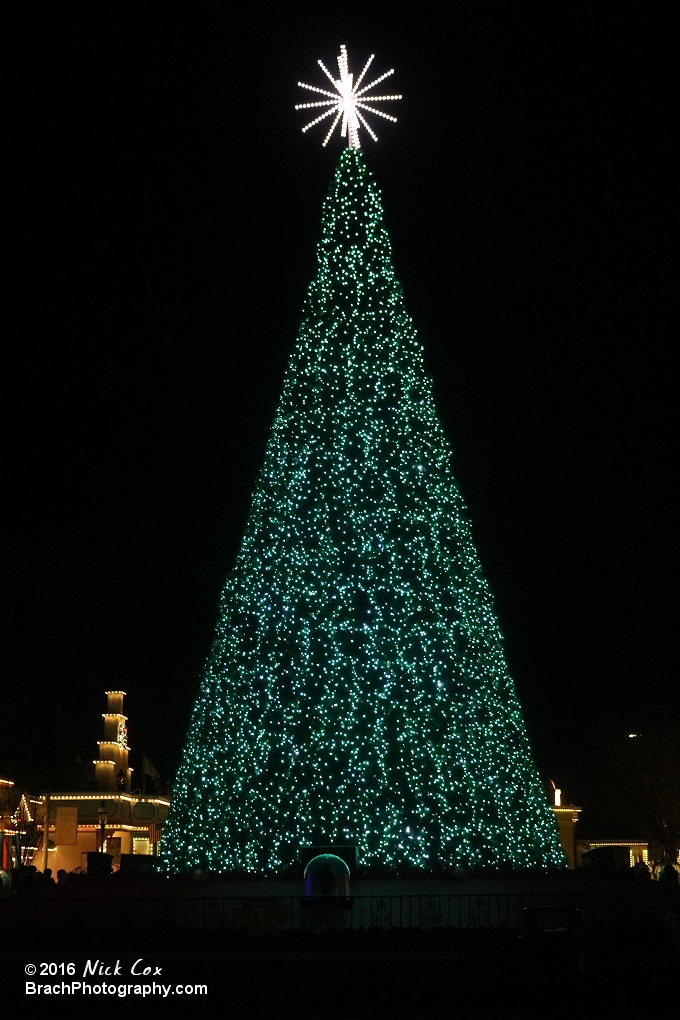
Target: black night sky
<point>164,217</point>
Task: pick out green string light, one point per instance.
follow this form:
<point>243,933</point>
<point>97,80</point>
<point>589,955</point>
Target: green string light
<point>357,690</point>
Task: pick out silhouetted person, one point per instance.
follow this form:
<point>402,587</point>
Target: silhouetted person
<point>668,875</point>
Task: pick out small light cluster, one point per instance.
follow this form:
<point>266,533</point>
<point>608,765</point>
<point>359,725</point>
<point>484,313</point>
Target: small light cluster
<point>357,690</point>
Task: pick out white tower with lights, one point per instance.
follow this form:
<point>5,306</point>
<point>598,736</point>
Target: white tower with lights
<point>111,768</point>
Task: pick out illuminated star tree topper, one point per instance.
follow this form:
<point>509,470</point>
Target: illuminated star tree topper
<point>348,103</point>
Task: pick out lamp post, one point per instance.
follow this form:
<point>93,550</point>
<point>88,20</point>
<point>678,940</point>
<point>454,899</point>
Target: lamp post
<point>102,814</point>
<point>46,831</point>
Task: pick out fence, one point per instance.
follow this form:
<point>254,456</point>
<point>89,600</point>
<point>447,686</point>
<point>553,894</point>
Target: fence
<point>268,916</point>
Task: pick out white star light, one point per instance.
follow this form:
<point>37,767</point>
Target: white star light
<point>347,105</point>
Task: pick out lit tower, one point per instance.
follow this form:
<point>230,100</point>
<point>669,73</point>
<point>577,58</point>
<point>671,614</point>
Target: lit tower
<point>111,768</point>
<point>357,691</point>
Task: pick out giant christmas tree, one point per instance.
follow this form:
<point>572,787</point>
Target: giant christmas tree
<point>357,690</point>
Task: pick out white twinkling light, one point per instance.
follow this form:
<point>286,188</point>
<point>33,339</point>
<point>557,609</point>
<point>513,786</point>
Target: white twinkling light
<point>345,105</point>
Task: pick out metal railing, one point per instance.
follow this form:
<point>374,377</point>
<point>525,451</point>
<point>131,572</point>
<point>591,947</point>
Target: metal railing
<point>269,916</point>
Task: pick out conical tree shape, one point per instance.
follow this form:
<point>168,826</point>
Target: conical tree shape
<point>357,690</point>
